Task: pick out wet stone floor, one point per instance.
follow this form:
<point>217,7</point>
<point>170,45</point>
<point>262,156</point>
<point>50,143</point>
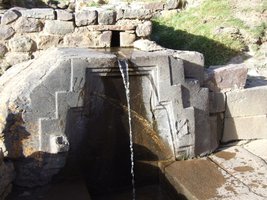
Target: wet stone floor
<point>76,189</point>
<point>151,192</point>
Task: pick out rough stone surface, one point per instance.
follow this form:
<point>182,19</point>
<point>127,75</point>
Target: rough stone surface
<point>48,41</point>
<point>225,78</point>
<point>21,44</point>
<point>147,45</point>
<point>216,129</point>
<point>217,102</point>
<point>144,29</point>
<point>9,16</point>
<point>58,27</point>
<point>16,57</point>
<point>6,176</point>
<point>82,38</point>
<point>3,50</point>
<point>105,39</point>
<point>28,25</point>
<point>38,13</point>
<point>86,17</point>
<point>127,39</point>
<point>106,17</point>
<point>154,6</point>
<point>64,15</point>
<point>137,14</point>
<point>172,4</point>
<point>54,90</point>
<point>6,32</point>
<point>39,167</point>
<point>4,65</point>
<point>194,64</point>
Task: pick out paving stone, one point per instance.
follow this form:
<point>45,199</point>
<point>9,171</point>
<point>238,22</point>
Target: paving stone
<point>6,32</point>
<point>200,179</point>
<point>9,16</point>
<point>28,25</point>
<point>58,27</point>
<point>258,148</point>
<point>244,166</point>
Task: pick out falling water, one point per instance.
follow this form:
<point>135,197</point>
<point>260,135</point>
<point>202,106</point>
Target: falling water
<point>123,65</point>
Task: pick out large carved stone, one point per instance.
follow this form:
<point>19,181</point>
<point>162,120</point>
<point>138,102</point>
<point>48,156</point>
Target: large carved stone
<point>73,100</point>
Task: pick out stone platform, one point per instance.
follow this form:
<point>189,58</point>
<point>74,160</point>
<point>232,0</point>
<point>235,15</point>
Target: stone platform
<point>236,171</point>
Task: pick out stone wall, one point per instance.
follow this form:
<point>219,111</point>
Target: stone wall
<point>25,32</point>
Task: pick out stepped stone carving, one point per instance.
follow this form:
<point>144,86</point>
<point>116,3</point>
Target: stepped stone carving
<point>69,99</point>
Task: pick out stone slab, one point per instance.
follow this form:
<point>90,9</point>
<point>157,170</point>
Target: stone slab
<point>253,127</point>
<point>58,27</point>
<point>247,102</point>
<point>226,77</point>
<point>244,166</point>
<point>194,64</point>
<point>203,179</point>
<point>38,13</point>
<point>258,148</point>
<point>110,27</point>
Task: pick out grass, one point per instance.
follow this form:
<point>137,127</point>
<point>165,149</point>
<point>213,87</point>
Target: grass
<point>195,29</point>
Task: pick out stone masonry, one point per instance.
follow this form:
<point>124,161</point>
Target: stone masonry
<point>34,113</point>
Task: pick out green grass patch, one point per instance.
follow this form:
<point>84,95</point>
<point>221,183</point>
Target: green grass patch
<point>195,29</point>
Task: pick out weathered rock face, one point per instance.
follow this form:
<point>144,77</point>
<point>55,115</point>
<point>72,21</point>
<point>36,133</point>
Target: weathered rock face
<point>226,78</point>
<point>73,100</point>
<point>6,176</point>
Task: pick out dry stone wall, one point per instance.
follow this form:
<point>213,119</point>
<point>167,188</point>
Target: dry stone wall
<point>26,31</point>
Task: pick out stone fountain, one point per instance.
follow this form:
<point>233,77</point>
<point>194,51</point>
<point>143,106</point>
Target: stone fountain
<point>71,108</point>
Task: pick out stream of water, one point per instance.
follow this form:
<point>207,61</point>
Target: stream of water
<point>123,65</point>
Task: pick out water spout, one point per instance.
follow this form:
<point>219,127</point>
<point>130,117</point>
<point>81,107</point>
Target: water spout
<point>123,65</point>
